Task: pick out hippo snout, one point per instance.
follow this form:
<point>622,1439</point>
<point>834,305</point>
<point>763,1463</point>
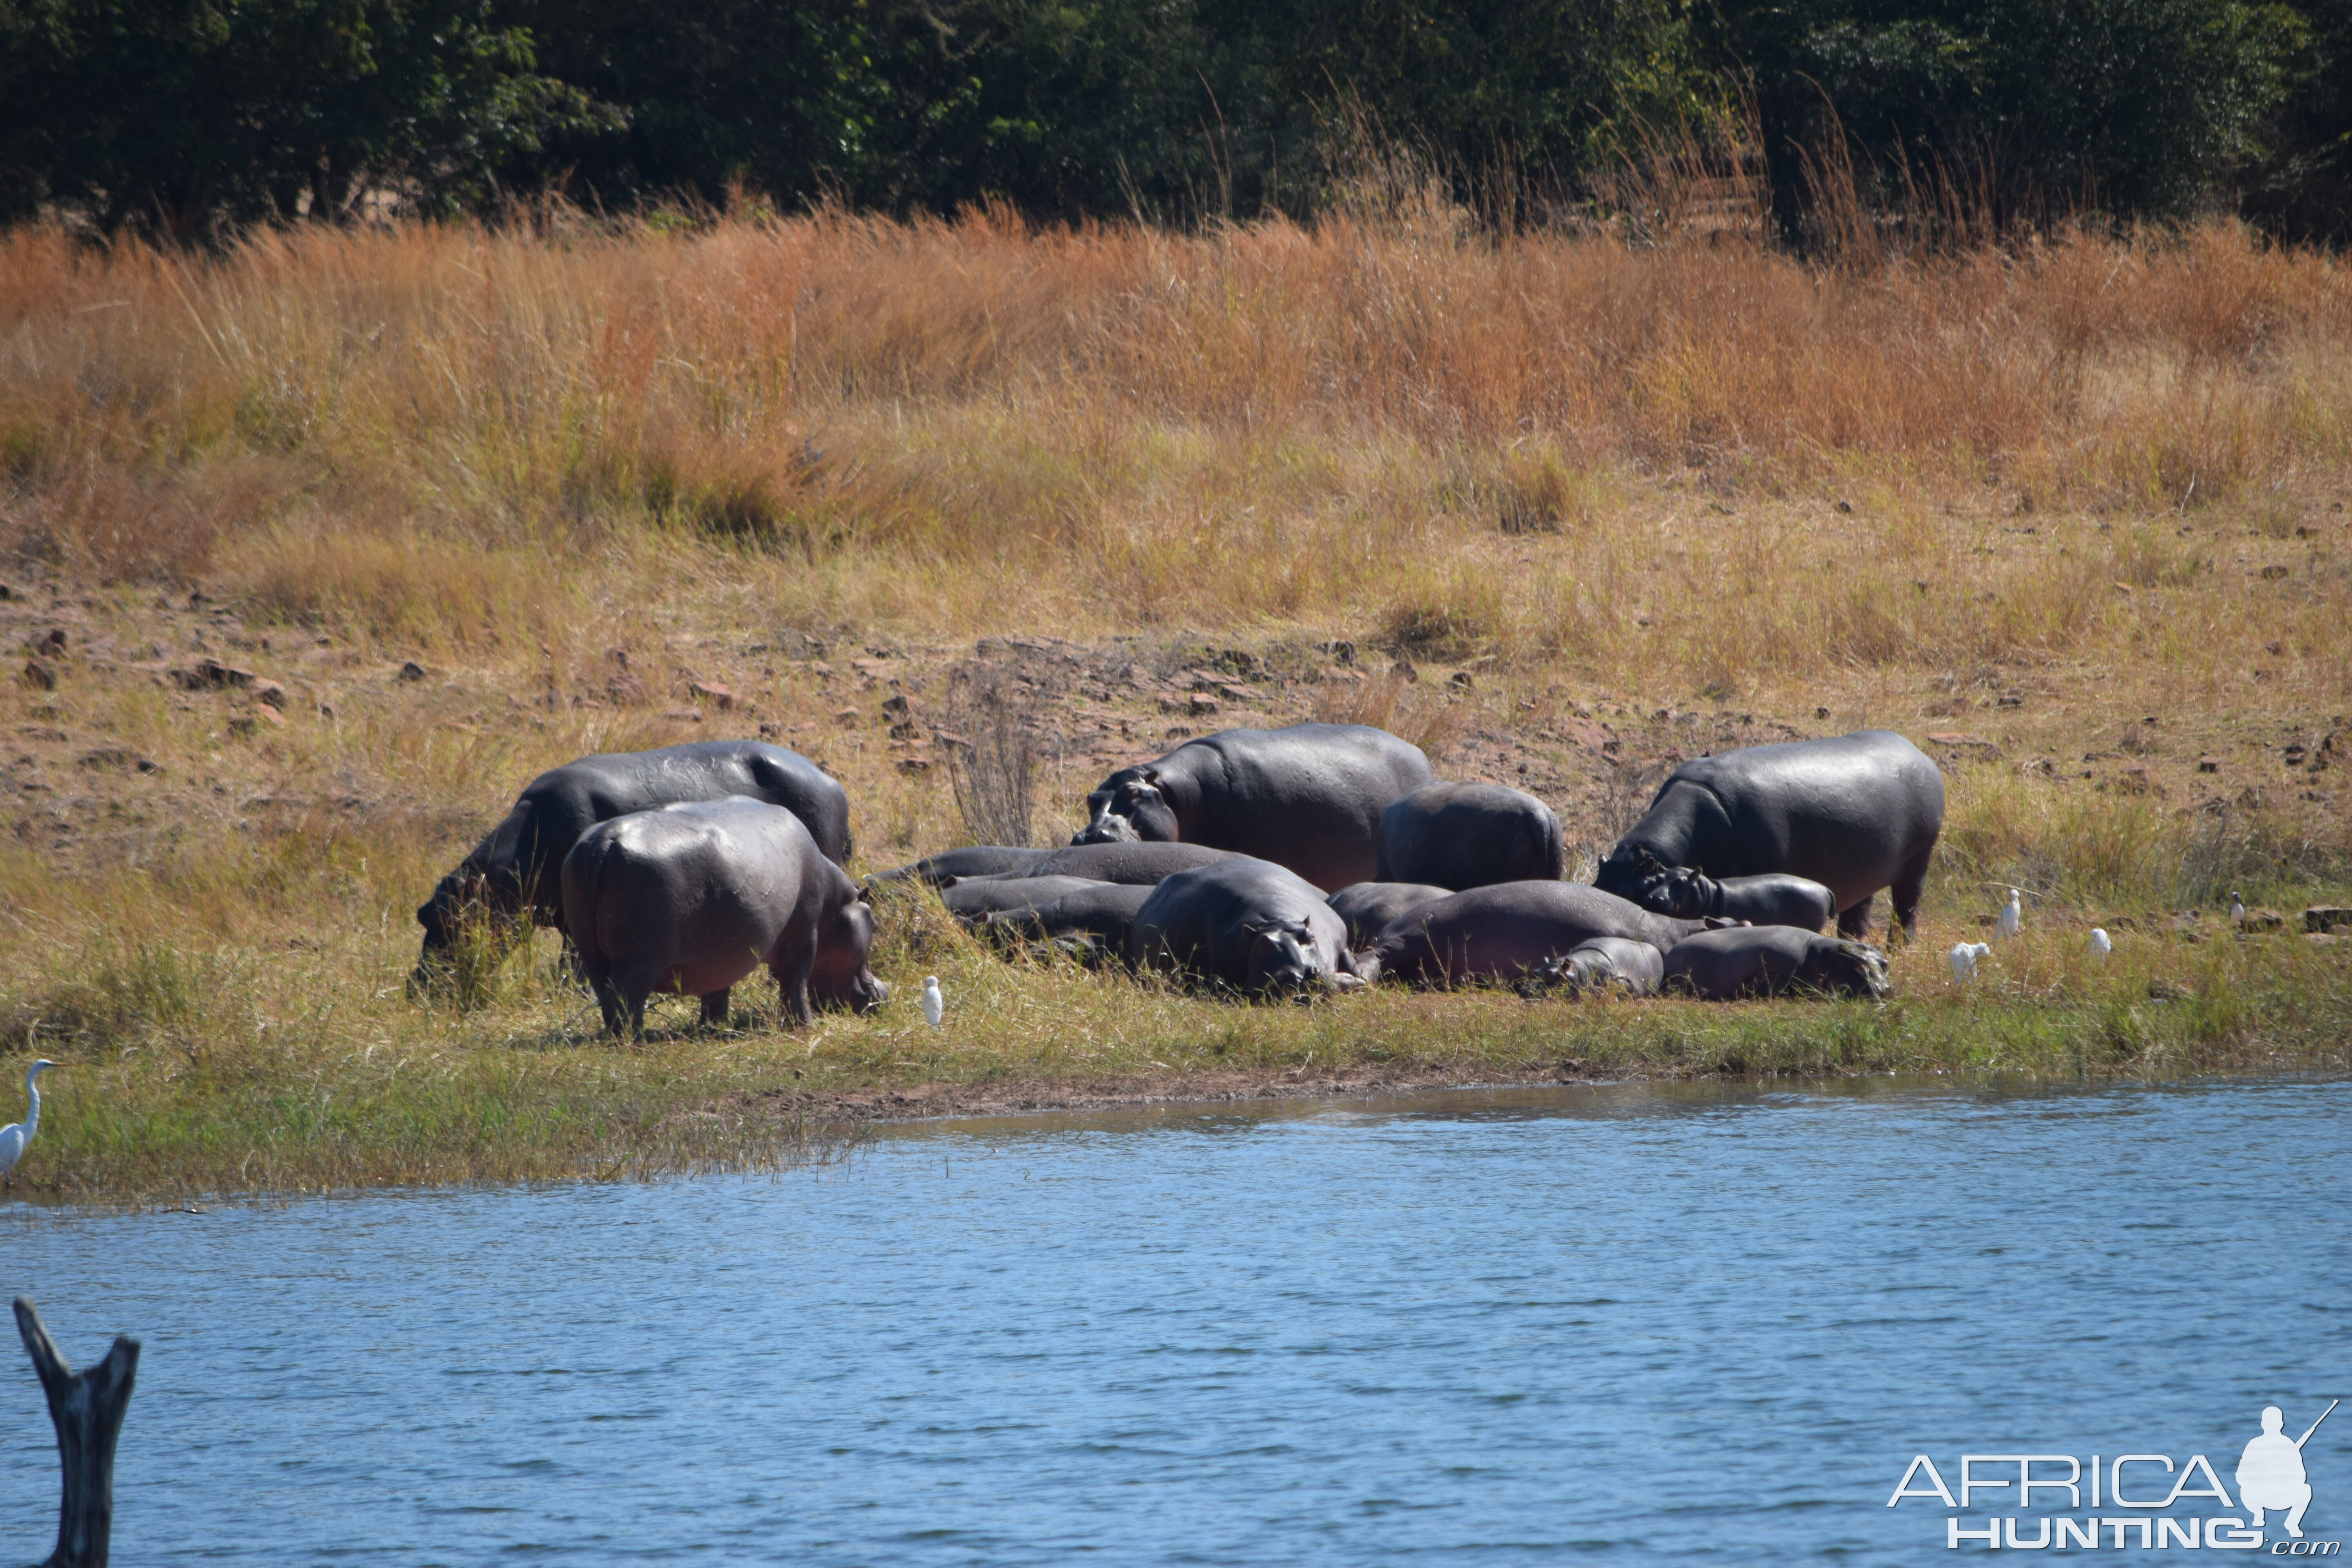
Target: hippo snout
<point>1108,827</point>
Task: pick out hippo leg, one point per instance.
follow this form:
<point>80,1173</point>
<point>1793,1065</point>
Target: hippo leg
<point>615,1010</point>
<point>1909,883</point>
<point>1853,924</point>
<point>714,1006</point>
<point>792,978</point>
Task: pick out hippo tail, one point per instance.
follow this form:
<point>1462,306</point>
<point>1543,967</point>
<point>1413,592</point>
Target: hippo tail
<point>584,875</point>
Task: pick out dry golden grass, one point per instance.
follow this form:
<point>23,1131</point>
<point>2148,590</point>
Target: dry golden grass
<point>1681,495</point>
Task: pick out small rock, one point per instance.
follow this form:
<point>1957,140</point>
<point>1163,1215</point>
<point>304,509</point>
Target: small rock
<point>1203,703</point>
<point>411,671</point>
<point>52,646</point>
<point>326,710</point>
<point>1463,679</point>
<point>2325,918</point>
<point>39,676</point>
<point>770,730</point>
<point>914,764</point>
<point>211,674</point>
<point>896,707</point>
<point>711,691</point>
<point>2209,765</point>
<point>111,757</point>
<point>626,689</point>
<point>270,693</point>
<point>1403,670</point>
<point>270,713</point>
<point>821,670</point>
<point>846,718</point>
<point>684,715</point>
<point>2324,938</point>
<point>242,726</point>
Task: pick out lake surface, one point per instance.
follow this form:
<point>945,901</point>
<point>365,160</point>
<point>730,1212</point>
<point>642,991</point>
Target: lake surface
<point>1617,1323</point>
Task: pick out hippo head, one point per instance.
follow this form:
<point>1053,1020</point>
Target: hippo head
<point>1679,893</point>
<point>1845,968</point>
<point>839,977</point>
<point>1284,961</point>
<point>1128,808</point>
<point>460,899</point>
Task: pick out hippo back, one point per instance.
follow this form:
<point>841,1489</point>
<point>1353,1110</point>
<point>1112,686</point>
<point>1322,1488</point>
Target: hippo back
<point>1505,930</point>
<point>1767,960</point>
<point>1369,906</point>
<point>1469,835</point>
<point>1140,864</point>
<point>1101,912</point>
<point>977,898</point>
<point>1222,922</point>
<point>973,860</point>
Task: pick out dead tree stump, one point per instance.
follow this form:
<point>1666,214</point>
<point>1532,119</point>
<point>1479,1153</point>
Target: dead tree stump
<point>87,1410</point>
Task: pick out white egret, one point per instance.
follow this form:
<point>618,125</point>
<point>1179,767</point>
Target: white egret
<point>2013,916</point>
<point>1964,961</point>
<point>2100,945</point>
<point>935,1005</point>
<point>13,1139</point>
<point>2236,909</point>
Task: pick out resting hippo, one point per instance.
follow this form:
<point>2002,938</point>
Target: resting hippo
<point>1309,797</point>
<point>1141,864</point>
<point>693,897</point>
<point>1468,836</point>
<point>1765,961</point>
<point>1773,901</point>
<point>974,860</point>
<point>1254,926</point>
<point>1503,932</point>
<point>1855,814</point>
<point>519,866</point>
<point>1604,963</point>
<point>974,899</point>
<point>1101,914</point>
<point>1369,907</point>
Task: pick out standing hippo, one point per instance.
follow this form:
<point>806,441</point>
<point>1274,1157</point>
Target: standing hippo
<point>1308,797</point>
<point>1604,963</point>
<point>1765,961</point>
<point>1503,932</point>
<point>1772,901</point>
<point>518,867</point>
<point>693,897</point>
<point>1136,863</point>
<point>1249,924</point>
<point>1855,814</point>
<point>1369,907</point>
<point>973,860</point>
<point>1468,836</point>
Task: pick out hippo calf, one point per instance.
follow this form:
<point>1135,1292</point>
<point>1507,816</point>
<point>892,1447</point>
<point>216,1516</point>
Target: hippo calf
<point>518,867</point>
<point>1766,961</point>
<point>1855,814</point>
<point>1777,899</point>
<point>1256,927</point>
<point>1503,932</point>
<point>973,860</point>
<point>973,899</point>
<point>1307,797</point>
<point>1605,963</point>
<point>1462,835</point>
<point>691,898</point>
<point>1369,907</point>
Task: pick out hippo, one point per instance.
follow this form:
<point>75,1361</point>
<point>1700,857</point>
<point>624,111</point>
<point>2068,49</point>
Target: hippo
<point>1099,916</point>
<point>1765,961</point>
<point>1136,863</point>
<point>1855,814</point>
<point>1468,836</point>
<point>1308,797</point>
<point>1503,930</point>
<point>973,899</point>
<point>693,897</point>
<point>1369,907</point>
<point>1604,963</point>
<point>1256,927</point>
<point>1769,901</point>
<point>973,860</point>
<point>518,866</point>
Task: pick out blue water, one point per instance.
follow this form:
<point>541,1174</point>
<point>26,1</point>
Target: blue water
<point>1617,1323</point>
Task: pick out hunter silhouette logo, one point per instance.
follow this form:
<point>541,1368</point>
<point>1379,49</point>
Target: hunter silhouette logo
<point>2271,1473</point>
<point>2128,1496</point>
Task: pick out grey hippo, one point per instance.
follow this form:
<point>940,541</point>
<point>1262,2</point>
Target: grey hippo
<point>1468,836</point>
<point>691,898</point>
<point>1137,863</point>
<point>1771,901</point>
<point>973,899</point>
<point>1099,916</point>
<point>1604,963</point>
<point>1503,932</point>
<point>1308,797</point>
<point>518,866</point>
<point>1256,927</point>
<point>973,860</point>
<point>1766,961</point>
<point>1855,814</point>
<point>1369,907</point>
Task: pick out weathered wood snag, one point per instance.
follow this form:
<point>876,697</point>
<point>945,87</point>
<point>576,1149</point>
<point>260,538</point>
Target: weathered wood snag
<point>87,1410</point>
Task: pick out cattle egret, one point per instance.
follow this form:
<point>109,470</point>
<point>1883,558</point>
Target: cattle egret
<point>2013,916</point>
<point>935,1005</point>
<point>13,1139</point>
<point>2100,945</point>
<point>2236,909</point>
<point>1964,961</point>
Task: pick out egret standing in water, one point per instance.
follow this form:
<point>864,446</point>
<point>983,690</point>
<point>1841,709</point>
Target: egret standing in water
<point>14,1139</point>
<point>2100,945</point>
<point>935,1005</point>
<point>2013,916</point>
